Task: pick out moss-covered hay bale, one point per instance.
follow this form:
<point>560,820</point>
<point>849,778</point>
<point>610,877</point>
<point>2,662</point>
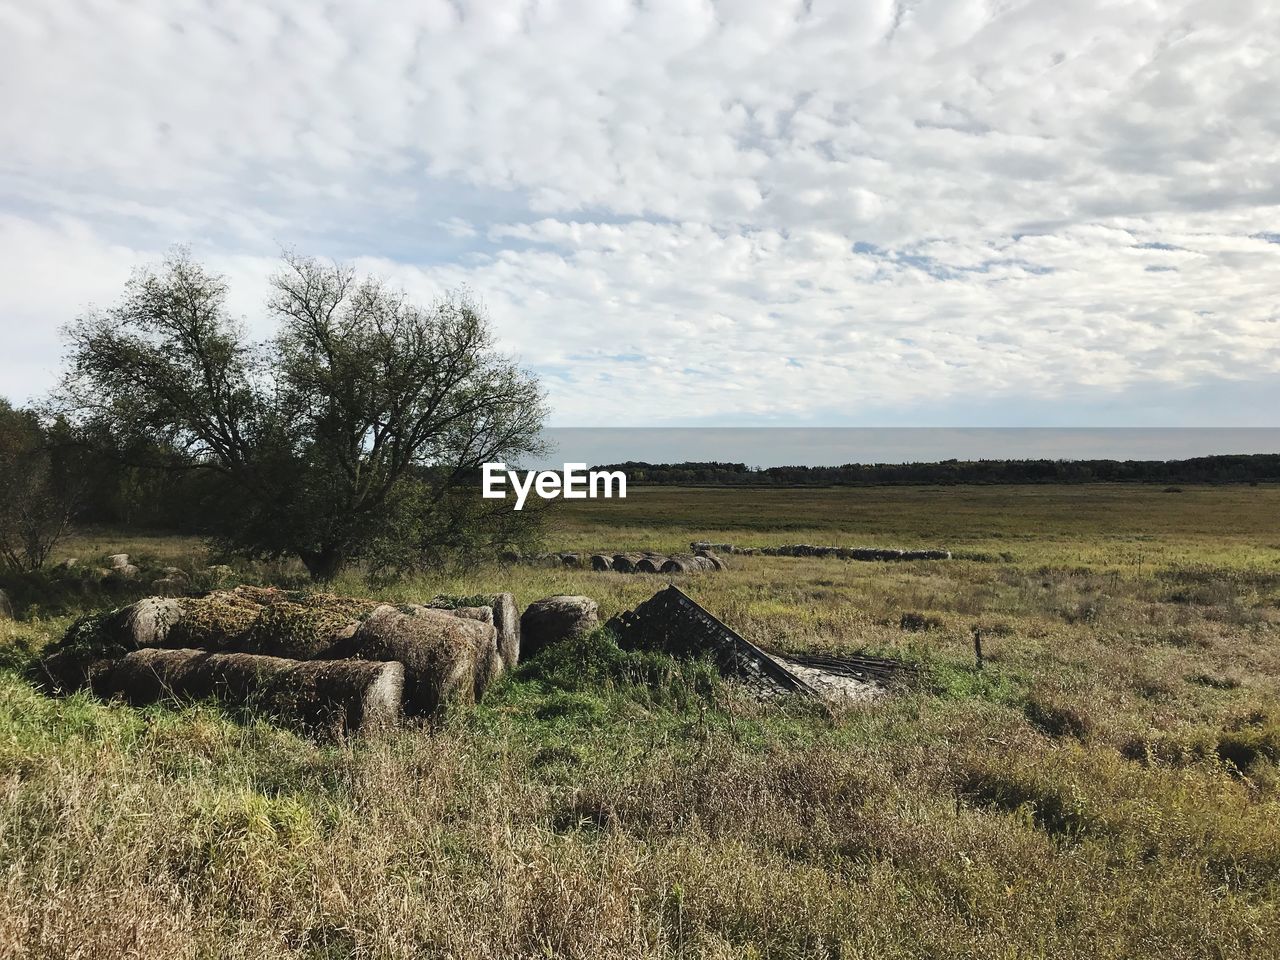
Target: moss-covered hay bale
<point>219,621</point>
<point>481,614</point>
<point>440,653</point>
<point>548,621</point>
<point>333,695</point>
<point>489,663</point>
<point>297,631</point>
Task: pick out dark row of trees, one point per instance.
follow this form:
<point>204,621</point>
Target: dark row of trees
<point>1242,468</point>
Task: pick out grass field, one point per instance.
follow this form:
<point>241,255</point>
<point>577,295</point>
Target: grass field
<point>1106,787</point>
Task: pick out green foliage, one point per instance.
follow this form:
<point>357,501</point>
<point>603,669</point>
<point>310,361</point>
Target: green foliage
<point>595,661</point>
<point>446,601</point>
<point>1055,806</point>
<point>1059,718</point>
<point>1251,739</point>
<point>40,483</point>
<point>352,435</point>
<point>92,636</point>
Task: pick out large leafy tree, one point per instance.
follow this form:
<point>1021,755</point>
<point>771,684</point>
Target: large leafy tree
<point>347,436</point>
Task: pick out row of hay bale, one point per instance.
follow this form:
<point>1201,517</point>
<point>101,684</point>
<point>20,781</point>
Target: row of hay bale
<point>658,562</point>
<point>119,569</point>
<point>853,553</point>
<point>698,546</point>
<point>315,661</point>
<point>646,561</point>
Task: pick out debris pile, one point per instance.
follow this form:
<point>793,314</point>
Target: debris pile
<point>672,622</point>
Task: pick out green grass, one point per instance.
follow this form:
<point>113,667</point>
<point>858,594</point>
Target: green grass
<point>1106,787</point>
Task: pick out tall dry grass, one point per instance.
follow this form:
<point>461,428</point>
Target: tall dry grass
<point>1106,787</point>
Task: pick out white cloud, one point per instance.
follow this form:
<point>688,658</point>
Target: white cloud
<point>787,210</point>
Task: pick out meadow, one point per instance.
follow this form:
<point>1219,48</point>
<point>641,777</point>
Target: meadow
<point>1105,786</point>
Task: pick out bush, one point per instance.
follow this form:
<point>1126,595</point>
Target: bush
<point>1250,739</point>
<point>914,622</point>
<point>1058,719</point>
<point>1055,807</point>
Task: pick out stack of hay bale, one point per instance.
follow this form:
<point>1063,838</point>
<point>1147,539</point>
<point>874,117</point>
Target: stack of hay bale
<point>311,660</point>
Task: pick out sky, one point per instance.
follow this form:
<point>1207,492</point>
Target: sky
<point>691,213</point>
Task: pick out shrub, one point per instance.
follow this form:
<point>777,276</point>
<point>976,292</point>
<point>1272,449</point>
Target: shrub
<point>595,660</point>
<point>1057,808</point>
<point>914,622</point>
<point>1250,739</point>
<point>1058,719</point>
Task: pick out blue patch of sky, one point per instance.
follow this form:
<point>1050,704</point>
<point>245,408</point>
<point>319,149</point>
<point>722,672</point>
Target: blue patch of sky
<point>941,271</point>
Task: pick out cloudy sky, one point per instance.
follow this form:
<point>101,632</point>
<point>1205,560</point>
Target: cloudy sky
<point>929,212</point>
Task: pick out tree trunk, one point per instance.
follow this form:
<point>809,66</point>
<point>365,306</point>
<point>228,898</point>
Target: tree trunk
<point>324,564</point>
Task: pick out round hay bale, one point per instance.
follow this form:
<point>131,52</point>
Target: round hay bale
<point>489,663</point>
<point>438,650</point>
<point>506,621</point>
<point>147,623</point>
<point>296,631</point>
<point>600,562</point>
<point>168,587</point>
<point>489,671</point>
<point>678,565</point>
<point>557,618</point>
<point>350,695</point>
<point>482,614</point>
<point>570,560</point>
<point>118,560</point>
<point>219,621</point>
<point>650,564</point>
<point>714,562</point>
<point>625,562</point>
<point>67,671</point>
<point>509,557</point>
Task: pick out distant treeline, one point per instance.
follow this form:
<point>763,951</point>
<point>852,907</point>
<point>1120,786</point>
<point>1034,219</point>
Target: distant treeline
<point>1241,468</point>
